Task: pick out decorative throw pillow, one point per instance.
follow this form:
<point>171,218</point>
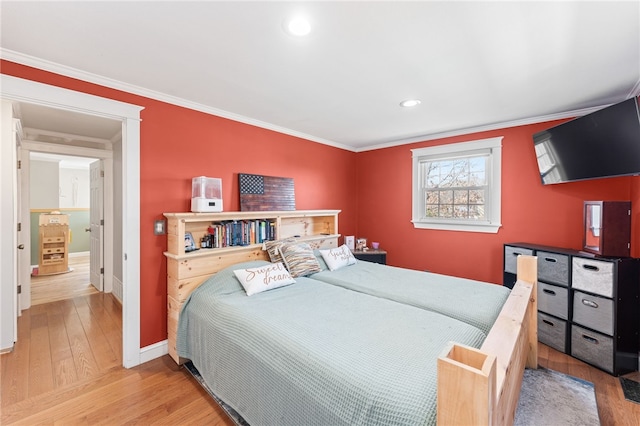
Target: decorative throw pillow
<point>299,259</point>
<point>337,258</point>
<point>263,278</point>
<point>273,248</point>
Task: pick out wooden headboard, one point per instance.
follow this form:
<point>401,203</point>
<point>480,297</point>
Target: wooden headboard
<point>187,270</point>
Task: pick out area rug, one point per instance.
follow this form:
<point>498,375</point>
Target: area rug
<point>548,397</point>
<point>631,389</point>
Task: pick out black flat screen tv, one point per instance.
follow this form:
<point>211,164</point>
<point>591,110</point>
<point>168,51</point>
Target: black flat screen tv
<point>605,143</point>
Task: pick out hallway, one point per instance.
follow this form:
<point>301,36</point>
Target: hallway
<point>51,288</point>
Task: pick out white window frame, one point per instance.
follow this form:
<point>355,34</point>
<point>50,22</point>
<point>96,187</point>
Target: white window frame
<point>494,180</point>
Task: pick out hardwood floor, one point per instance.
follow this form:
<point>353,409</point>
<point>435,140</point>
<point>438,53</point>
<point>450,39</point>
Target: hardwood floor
<point>66,369</point>
<point>49,288</point>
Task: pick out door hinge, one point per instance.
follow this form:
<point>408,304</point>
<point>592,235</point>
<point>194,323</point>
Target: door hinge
<point>19,226</point>
<point>19,289</point>
<point>102,270</point>
<point>19,164</point>
<point>102,222</point>
<point>101,173</point>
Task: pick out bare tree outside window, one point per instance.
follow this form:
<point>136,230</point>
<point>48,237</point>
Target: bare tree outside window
<point>455,188</point>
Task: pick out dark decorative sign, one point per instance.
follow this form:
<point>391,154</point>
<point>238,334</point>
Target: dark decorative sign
<point>263,193</point>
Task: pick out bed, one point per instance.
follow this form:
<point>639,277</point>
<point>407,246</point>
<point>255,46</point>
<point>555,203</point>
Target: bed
<point>474,302</point>
<point>311,352</point>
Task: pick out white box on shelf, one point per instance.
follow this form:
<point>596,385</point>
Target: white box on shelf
<point>206,194</point>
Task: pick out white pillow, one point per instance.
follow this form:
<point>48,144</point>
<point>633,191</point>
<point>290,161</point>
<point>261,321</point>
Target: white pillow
<point>263,278</point>
<point>337,258</point>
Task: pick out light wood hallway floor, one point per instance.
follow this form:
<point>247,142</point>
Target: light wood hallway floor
<point>48,288</point>
<point>66,369</point>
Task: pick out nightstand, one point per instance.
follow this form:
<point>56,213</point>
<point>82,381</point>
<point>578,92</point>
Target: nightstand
<point>376,256</point>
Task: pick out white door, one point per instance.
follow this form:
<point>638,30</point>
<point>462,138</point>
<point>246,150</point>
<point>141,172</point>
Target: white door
<point>96,218</point>
<point>20,255</point>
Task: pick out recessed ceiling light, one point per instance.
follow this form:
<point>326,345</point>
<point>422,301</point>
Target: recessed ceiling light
<point>410,103</point>
<point>298,26</point>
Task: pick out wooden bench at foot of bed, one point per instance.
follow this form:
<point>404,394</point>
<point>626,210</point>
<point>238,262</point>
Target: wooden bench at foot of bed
<point>481,387</point>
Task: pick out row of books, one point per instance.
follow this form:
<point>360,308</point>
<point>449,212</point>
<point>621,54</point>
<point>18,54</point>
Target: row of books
<point>239,233</point>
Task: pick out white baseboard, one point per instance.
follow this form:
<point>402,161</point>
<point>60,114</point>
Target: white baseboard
<point>79,253</point>
<point>116,289</point>
<point>154,351</point>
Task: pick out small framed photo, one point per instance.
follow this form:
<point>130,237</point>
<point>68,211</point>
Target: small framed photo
<point>189,243</point>
<point>350,241</point>
<point>361,244</point>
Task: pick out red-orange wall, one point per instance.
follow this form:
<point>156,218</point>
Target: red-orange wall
<point>549,215</point>
<point>372,188</point>
<point>177,144</point>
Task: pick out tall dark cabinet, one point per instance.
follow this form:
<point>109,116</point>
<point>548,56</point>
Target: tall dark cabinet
<point>588,305</point>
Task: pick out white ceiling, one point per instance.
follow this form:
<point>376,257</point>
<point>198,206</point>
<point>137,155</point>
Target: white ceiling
<point>475,65</point>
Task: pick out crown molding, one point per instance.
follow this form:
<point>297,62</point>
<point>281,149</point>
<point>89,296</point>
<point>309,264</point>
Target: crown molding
<point>485,128</point>
<point>64,70</point>
<point>67,71</point>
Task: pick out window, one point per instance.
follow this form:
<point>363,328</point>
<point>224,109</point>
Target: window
<point>457,186</point>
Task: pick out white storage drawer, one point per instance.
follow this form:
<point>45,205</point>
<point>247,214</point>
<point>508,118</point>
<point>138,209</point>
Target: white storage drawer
<point>553,267</point>
<point>553,300</point>
<point>594,276</point>
<point>593,312</point>
<point>511,257</point>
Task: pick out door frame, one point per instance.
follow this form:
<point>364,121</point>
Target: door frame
<point>21,90</point>
<point>28,147</point>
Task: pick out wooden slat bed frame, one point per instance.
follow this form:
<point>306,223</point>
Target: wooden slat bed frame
<point>475,387</point>
<point>481,387</point>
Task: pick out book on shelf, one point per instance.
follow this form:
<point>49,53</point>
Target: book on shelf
<point>239,233</point>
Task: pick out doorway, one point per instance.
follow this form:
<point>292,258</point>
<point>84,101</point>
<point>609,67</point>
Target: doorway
<point>72,186</point>
<point>26,91</point>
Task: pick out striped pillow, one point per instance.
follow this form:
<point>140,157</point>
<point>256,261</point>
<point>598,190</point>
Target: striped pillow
<point>299,259</point>
<point>273,248</point>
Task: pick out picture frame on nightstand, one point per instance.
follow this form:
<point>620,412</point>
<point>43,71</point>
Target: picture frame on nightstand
<point>350,242</point>
<point>361,243</point>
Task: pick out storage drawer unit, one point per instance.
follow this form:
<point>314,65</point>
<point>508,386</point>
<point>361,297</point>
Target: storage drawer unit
<point>593,311</point>
<point>594,348</point>
<point>553,267</point>
<point>594,276</point>
<point>54,246</point>
<point>511,257</point>
<point>593,299</point>
<point>552,331</point>
<point>553,300</point>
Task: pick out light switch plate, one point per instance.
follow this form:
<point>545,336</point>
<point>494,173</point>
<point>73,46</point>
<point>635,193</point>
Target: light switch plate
<point>159,227</point>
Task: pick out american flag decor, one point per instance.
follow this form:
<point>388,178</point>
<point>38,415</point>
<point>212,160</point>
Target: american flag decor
<point>262,193</point>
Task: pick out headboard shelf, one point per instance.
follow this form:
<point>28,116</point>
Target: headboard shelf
<point>187,270</point>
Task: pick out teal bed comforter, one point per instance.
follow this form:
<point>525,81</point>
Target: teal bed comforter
<point>314,353</point>
<point>474,302</point>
